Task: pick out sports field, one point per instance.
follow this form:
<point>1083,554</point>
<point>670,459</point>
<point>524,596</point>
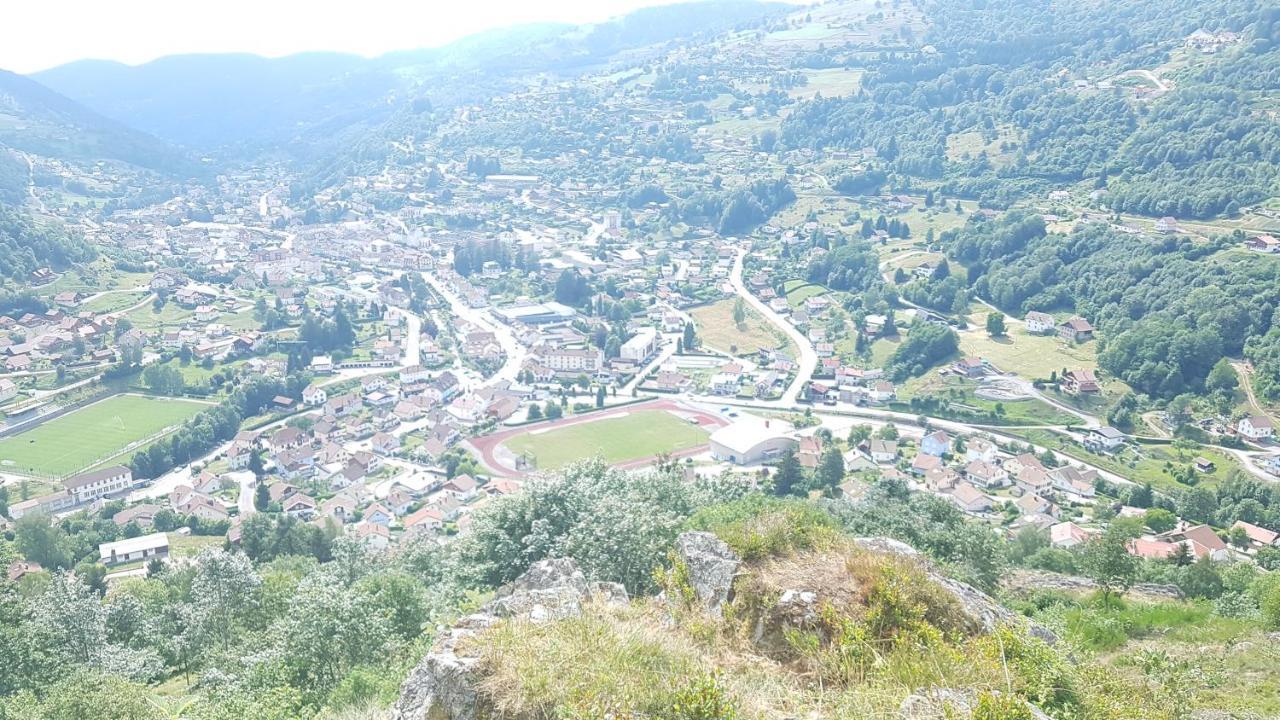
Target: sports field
<point>636,435</point>
<point>92,433</point>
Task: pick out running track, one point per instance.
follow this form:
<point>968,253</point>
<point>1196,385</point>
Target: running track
<point>486,446</point>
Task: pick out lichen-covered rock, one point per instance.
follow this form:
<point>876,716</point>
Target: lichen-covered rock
<point>610,592</point>
<point>948,704</point>
<point>443,685</point>
<point>1031,580</point>
<point>711,565</point>
<point>977,605</point>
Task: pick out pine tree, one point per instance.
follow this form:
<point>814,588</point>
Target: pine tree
<point>830,470</point>
<point>261,498</point>
<point>789,474</point>
<point>690,337</point>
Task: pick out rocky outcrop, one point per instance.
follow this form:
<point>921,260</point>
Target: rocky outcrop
<point>443,685</point>
<point>979,606</point>
<point>711,564</point>
<point>1031,580</point>
<point>948,703</point>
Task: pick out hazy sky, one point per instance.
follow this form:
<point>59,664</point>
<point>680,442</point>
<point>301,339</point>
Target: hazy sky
<point>39,34</point>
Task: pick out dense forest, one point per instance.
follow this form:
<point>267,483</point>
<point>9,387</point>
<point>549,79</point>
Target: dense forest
<point>733,211</point>
<point>14,177</point>
<point>1169,309</point>
<point>1012,73</point>
<point>25,246</point>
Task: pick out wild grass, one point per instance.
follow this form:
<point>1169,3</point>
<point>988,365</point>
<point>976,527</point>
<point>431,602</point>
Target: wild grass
<point>611,662</point>
<point>758,526</point>
<point>1104,627</point>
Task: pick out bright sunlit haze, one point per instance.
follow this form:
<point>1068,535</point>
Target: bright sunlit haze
<point>38,36</point>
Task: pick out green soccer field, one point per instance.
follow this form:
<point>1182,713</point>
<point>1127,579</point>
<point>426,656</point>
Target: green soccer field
<point>91,434</point>
<point>636,435</point>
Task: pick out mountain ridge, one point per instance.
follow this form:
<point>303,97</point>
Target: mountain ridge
<point>37,119</point>
<point>247,102</point>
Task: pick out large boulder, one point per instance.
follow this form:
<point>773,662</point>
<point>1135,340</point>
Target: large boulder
<point>443,685</point>
<point>977,605</point>
<point>550,590</point>
<point>712,566</point>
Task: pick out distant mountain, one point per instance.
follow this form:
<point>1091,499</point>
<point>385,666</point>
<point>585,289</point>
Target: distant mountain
<point>206,101</point>
<point>38,120</point>
<point>303,102</point>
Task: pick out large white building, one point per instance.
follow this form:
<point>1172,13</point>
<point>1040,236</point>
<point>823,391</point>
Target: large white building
<point>143,547</point>
<point>538,314</point>
<point>641,346</point>
<point>1256,428</point>
<point>573,360</point>
<point>751,441</point>
<point>87,487</point>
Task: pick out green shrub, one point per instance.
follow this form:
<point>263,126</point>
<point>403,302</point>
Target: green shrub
<point>702,699</point>
<point>758,526</point>
<point>991,706</point>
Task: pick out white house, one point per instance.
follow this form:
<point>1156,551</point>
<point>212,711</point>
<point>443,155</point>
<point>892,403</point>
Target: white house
<point>1040,323</point>
<point>1106,437</point>
<point>882,451</point>
<point>463,488</point>
<point>970,499</point>
<point>1257,427</point>
<point>373,535</point>
<point>985,474</point>
<point>979,449</point>
<point>8,389</point>
<point>315,395</point>
<point>937,443</point>
<point>1068,535</point>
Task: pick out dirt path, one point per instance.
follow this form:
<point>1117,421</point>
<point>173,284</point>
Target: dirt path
<point>1244,370</point>
<point>1150,419</point>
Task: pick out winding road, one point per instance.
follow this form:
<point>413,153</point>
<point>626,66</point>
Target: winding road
<point>808,360</point>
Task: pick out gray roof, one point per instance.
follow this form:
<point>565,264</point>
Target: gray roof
<point>89,478</point>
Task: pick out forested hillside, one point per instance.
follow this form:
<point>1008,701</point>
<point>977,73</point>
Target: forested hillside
<point>26,246</point>
<point>14,177</point>
<point>1169,309</point>
<point>39,120</point>
<point>1026,75</point>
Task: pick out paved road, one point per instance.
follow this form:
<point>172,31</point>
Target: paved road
<point>515,351</point>
<point>1161,85</point>
<point>31,184</point>
<point>808,361</point>
<point>248,488</point>
<point>900,418</point>
<point>412,338</point>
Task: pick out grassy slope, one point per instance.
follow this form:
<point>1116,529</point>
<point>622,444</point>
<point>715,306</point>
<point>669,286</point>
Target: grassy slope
<point>717,330</point>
